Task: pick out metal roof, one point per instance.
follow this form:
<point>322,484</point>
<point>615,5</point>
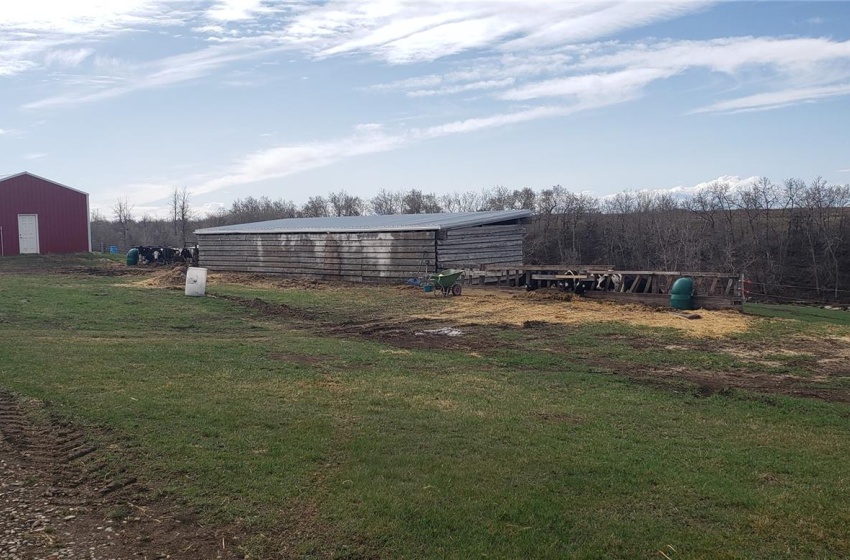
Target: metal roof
<point>357,224</point>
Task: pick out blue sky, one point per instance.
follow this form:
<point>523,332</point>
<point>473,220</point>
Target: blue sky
<point>231,98</point>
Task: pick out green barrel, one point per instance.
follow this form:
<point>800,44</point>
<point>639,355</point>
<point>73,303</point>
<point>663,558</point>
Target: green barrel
<point>682,294</point>
<point>133,257</point>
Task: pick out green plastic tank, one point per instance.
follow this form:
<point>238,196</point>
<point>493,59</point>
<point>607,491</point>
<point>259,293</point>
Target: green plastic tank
<point>133,257</point>
<point>682,294</point>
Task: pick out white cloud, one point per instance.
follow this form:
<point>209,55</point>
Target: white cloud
<point>282,161</point>
<point>79,17</point>
<point>209,29</point>
<point>472,86</point>
<point>34,156</point>
<point>165,72</point>
<point>483,73</point>
<point>795,70</point>
<point>526,54</point>
<point>69,58</point>
<point>234,10</point>
<point>494,121</point>
<point>405,32</point>
<point>30,30</point>
<point>366,139</point>
<point>143,194</point>
<point>619,85</point>
<point>775,99</point>
<point>728,55</point>
<point>735,182</point>
<point>107,62</point>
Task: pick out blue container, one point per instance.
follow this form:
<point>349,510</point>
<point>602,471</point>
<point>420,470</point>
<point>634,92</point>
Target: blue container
<point>113,249</point>
<point>428,288</point>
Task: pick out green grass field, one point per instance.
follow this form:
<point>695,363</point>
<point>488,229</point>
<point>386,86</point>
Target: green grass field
<point>332,445</point>
<point>800,313</point>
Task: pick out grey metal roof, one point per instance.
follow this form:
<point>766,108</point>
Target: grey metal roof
<point>354,224</point>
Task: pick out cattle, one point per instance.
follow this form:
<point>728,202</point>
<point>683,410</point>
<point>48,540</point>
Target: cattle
<point>577,285</point>
<point>165,255</point>
<point>609,282</point>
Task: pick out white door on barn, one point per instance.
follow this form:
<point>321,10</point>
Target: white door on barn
<point>28,233</point>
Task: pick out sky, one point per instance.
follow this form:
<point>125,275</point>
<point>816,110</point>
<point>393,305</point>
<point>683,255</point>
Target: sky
<point>290,99</point>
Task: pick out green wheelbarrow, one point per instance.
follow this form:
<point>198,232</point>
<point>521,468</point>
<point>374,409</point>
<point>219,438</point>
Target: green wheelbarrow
<point>446,282</point>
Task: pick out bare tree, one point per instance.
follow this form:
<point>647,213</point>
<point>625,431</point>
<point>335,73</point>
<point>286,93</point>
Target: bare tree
<point>416,202</point>
<point>525,199</point>
<point>497,198</point>
<point>315,207</point>
<point>181,211</point>
<point>468,201</point>
<point>123,213</point>
<point>174,208</point>
<point>387,202</point>
<point>343,204</point>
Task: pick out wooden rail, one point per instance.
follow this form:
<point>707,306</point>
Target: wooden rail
<point>712,290</point>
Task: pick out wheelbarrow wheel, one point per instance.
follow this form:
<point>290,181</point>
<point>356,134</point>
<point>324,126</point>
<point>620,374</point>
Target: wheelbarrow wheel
<point>456,290</point>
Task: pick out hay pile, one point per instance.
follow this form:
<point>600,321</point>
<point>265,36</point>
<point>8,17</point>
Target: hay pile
<point>478,306</point>
<point>174,276</point>
<point>552,294</point>
<point>165,277</point>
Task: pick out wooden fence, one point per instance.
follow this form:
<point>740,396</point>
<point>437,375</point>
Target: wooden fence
<point>712,290</point>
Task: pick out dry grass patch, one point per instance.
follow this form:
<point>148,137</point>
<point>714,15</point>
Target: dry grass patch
<point>482,306</point>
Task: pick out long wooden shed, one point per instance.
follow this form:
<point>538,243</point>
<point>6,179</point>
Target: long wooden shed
<point>366,248</point>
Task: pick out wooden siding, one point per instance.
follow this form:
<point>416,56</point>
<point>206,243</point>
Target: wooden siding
<point>481,246</point>
<point>386,256</point>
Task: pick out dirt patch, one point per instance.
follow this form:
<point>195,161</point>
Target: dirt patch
<point>482,306</point>
<point>274,282</point>
<point>558,418</point>
<point>300,359</point>
<point>802,367</point>
<point>413,334</point>
<point>271,309</point>
<point>706,383</point>
<point>107,271</point>
<point>60,499</point>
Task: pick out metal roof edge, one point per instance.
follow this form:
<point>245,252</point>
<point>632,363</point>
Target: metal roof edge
<point>210,231</point>
<point>7,177</point>
<point>470,219</point>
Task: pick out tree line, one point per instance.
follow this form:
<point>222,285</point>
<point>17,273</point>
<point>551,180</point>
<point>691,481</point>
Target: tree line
<point>791,239</point>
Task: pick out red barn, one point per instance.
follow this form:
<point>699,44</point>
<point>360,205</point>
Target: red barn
<point>41,216</point>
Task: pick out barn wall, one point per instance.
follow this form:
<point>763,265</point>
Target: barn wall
<point>387,256</point>
<point>63,219</point>
<point>481,245</point>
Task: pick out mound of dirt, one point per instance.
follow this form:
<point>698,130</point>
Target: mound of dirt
<point>165,277</point>
<point>495,307</point>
